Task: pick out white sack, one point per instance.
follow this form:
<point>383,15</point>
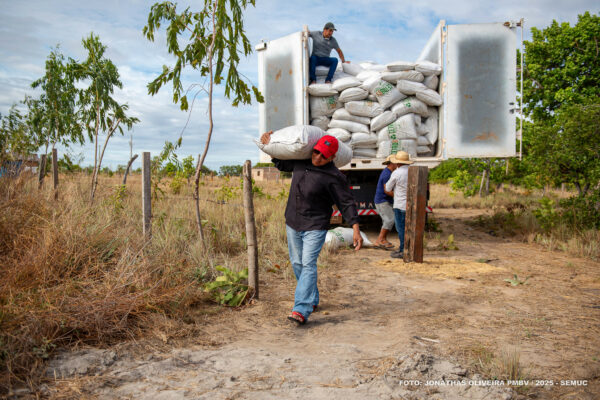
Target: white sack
<point>409,146</point>
<point>321,89</point>
<point>322,70</point>
<point>323,106</point>
<point>343,155</point>
<point>410,87</point>
<point>431,112</point>
<point>344,237</point>
<point>417,120</point>
<point>353,94</point>
<point>422,129</point>
<point>402,128</point>
<point>423,149</point>
<point>428,68</point>
<point>371,97</point>
<point>345,83</point>
<point>295,142</point>
<point>387,95</point>
<point>364,153</point>
<point>432,82</point>
<point>430,97</point>
<point>382,120</point>
<point>361,139</point>
<point>431,123</point>
<point>387,147</point>
<point>339,133</point>
<point>400,66</point>
<point>348,125</point>
<point>393,77</point>
<point>423,141</point>
<point>370,83</point>
<point>366,74</point>
<point>342,113</point>
<point>364,108</point>
<point>376,67</point>
<point>352,69</point>
<point>410,105</point>
<point>321,122</point>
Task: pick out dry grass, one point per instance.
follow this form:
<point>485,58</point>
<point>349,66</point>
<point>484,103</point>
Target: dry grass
<point>80,273</point>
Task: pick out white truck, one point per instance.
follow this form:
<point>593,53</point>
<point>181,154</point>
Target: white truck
<point>478,87</point>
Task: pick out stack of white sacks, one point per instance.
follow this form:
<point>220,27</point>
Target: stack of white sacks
<point>380,109</point>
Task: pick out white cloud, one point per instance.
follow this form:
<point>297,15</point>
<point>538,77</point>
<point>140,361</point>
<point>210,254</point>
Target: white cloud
<point>381,31</point>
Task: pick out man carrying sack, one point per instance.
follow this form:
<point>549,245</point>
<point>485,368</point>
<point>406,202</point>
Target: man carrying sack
<point>316,186</point>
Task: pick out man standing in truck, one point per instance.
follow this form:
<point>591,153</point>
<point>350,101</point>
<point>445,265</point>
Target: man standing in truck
<point>384,205</point>
<point>397,186</point>
<point>317,184</point>
<point>323,43</point>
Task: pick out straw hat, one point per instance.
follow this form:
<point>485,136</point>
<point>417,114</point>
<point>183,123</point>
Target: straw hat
<point>400,157</point>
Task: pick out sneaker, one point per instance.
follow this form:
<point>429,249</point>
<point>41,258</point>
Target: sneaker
<point>397,254</point>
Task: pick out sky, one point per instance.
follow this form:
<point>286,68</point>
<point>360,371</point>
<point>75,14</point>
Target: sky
<point>380,31</point>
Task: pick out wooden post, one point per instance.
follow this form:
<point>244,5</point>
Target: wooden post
<point>42,171</point>
<point>250,229</point>
<point>146,195</point>
<point>55,172</point>
<point>416,200</point>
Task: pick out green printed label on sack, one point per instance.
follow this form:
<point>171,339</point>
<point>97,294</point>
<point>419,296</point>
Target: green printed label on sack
<point>395,146</point>
<point>330,102</point>
<point>391,128</point>
<point>383,89</point>
<point>339,236</point>
<point>407,103</point>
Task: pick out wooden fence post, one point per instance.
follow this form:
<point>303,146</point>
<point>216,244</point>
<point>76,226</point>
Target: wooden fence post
<point>41,171</point>
<point>55,172</point>
<point>146,195</point>
<point>250,229</point>
<point>416,201</point>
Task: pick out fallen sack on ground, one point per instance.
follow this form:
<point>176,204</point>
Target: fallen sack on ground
<point>343,237</point>
<point>295,142</point>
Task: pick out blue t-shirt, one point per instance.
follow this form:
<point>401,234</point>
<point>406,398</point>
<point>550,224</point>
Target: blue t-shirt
<point>380,196</point>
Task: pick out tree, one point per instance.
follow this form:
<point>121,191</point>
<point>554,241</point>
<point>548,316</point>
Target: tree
<point>100,111</point>
<point>215,39</point>
<point>54,115</point>
<point>562,65</point>
<point>231,170</point>
<point>568,150</point>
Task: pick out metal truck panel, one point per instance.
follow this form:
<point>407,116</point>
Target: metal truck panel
<point>480,91</point>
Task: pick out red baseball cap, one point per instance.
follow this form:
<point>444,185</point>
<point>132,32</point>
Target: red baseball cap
<point>327,145</point>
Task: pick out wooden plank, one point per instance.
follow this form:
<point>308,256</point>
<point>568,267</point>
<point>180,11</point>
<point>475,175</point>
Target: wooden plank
<point>146,195</point>
<point>416,201</point>
<point>250,229</point>
<point>55,172</point>
<point>41,171</point>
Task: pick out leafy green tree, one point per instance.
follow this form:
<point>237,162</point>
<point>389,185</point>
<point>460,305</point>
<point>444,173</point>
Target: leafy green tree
<point>562,65</point>
<point>231,170</point>
<point>54,115</point>
<point>14,136</point>
<point>568,150</point>
<point>209,41</point>
<point>100,111</point>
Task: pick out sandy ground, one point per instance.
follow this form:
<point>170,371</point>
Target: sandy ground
<point>444,329</point>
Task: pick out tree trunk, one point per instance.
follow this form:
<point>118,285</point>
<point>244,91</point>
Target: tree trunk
<point>131,160</point>
<point>108,136</point>
<point>483,175</point>
<point>94,174</point>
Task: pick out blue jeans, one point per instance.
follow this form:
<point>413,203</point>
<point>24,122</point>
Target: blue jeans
<point>400,219</point>
<point>330,62</point>
<point>304,248</point>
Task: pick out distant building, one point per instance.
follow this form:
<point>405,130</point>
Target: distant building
<point>19,164</point>
<point>265,174</point>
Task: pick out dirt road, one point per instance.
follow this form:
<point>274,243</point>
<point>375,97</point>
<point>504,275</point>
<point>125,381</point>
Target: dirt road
<point>450,328</point>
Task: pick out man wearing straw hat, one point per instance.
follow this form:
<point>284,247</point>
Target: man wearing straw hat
<point>397,184</point>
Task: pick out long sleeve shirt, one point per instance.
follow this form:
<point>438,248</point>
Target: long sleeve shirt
<point>313,192</point>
